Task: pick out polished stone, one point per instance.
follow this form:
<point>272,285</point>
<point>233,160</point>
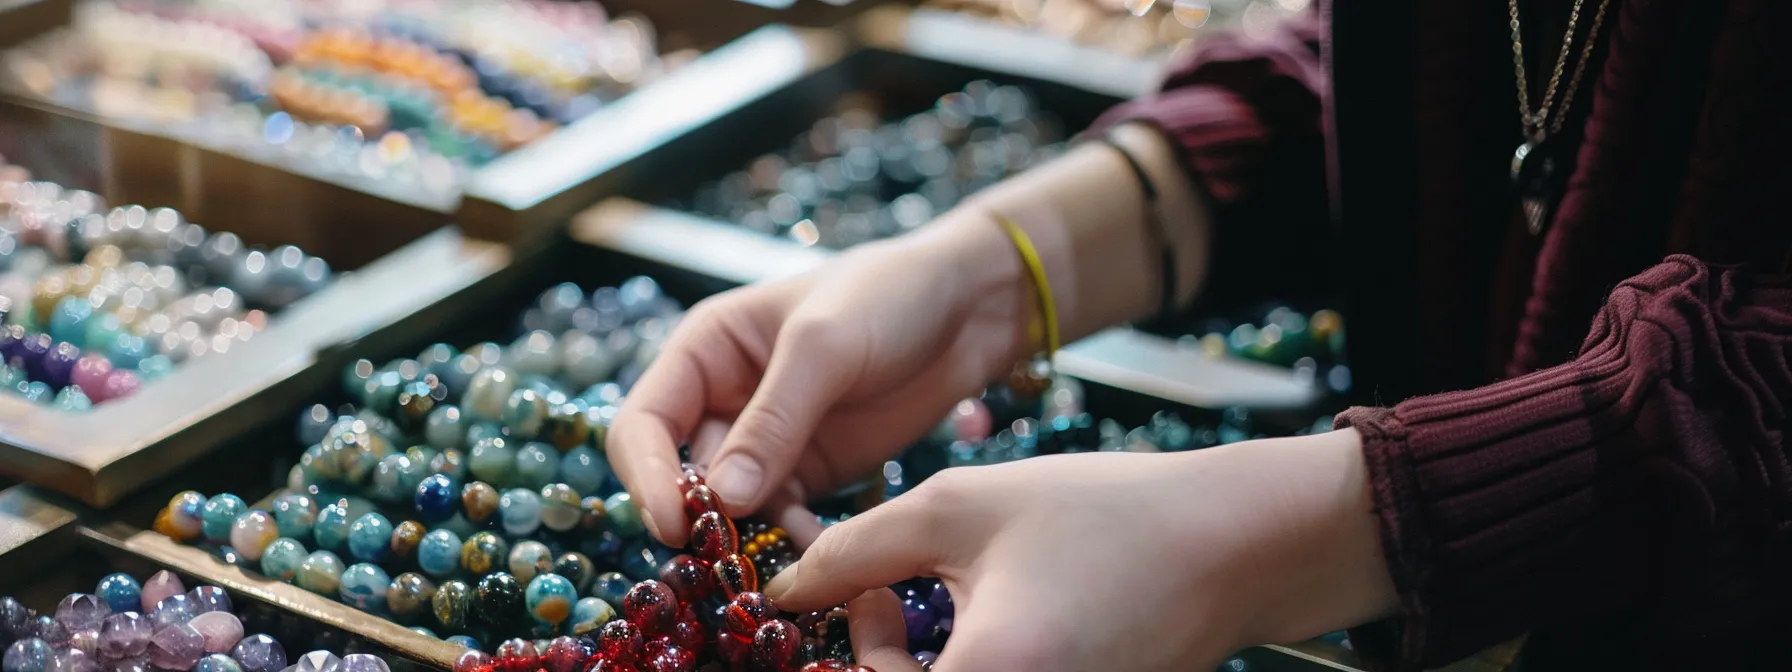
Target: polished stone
<point>439,553</point>
<point>519,511</point>
<point>125,635</point>
<point>577,568</point>
<point>445,428</point>
<point>259,653</point>
<point>219,514</point>
<point>210,598</point>
<point>160,586</point>
<point>528,559</point>
<point>584,470</point>
<point>173,610</point>
<point>484,553</point>
<point>493,460</point>
<point>620,640</point>
<point>221,630</point>
<point>320,573</point>
<point>370,538</point>
<point>251,533</point>
<point>28,655</point>
<point>488,391</point>
<point>537,465</point>
<point>735,574</point>
<point>282,559</point>
<point>363,586</point>
<point>217,662</point>
<point>331,529</point>
<point>652,606</point>
<point>689,578</point>
<point>409,595</point>
<point>81,611</point>
<point>549,598</point>
<point>525,413</point>
<point>452,602</point>
<point>295,514</point>
<point>714,537</point>
<point>560,507</point>
<point>435,497</point>
<point>775,644</point>
<point>624,518</point>
<point>362,662</point>
<point>589,614</point>
<point>120,591</point>
<point>176,647</point>
<point>498,600</point>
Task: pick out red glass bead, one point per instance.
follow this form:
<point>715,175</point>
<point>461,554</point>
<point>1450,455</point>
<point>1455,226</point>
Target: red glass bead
<point>564,654</point>
<point>473,661</point>
<point>619,640</point>
<point>651,606</point>
<point>713,537</point>
<point>774,646</point>
<point>688,577</point>
<point>700,500</point>
<point>663,655</point>
<point>516,655</point>
<point>825,666</point>
<point>607,665</point>
<point>690,634</point>
<point>735,574</point>
<point>746,612</point>
<point>733,650</point>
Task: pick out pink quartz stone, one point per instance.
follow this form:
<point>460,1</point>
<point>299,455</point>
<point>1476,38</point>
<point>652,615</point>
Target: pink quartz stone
<point>90,374</point>
<point>221,630</point>
<point>972,420</point>
<point>124,635</point>
<point>176,647</point>
<point>160,587</point>
<point>119,384</point>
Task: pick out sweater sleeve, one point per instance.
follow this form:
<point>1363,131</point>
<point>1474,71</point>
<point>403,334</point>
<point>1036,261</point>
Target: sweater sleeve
<point>1245,114</point>
<point>1651,472</point>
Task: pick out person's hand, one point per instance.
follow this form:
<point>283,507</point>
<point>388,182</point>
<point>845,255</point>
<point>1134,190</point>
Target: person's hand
<point>790,389</point>
<point>1115,561</point>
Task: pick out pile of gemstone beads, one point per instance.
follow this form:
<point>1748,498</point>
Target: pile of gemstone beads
<point>125,626</point>
<point>97,300</point>
<point>1312,346</point>
<point>851,179</point>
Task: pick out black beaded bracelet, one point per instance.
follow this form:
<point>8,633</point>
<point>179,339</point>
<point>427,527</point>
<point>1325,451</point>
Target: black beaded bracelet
<point>1166,306</point>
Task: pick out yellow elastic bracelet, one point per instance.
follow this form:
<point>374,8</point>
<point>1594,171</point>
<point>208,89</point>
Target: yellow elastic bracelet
<point>1048,308</point>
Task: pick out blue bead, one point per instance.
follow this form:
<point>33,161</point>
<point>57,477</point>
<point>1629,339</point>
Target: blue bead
<point>588,615</point>
<point>121,592</point>
<point>68,321</point>
<point>282,559</point>
<point>103,333</point>
<point>435,500</point>
<point>295,514</point>
<point>624,518</point>
<point>370,538</point>
<point>550,598</point>
<point>611,587</point>
<point>129,351</point>
<point>364,587</point>
<point>493,460</point>
<point>220,512</point>
<point>331,529</point>
<point>154,367</point>
<point>29,655</point>
<point>520,512</point>
<point>584,470</point>
<point>537,464</point>
<point>439,553</point>
<point>464,641</point>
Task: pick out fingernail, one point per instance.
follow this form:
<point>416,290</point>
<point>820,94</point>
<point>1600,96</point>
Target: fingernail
<point>780,584</point>
<point>652,528</point>
<point>736,479</point>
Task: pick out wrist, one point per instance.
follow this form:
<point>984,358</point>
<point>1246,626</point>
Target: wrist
<point>990,283</point>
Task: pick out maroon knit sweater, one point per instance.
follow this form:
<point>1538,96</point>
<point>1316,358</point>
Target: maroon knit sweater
<point>1602,459</point>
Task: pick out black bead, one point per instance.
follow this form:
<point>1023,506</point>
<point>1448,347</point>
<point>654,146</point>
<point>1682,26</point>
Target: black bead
<point>498,601</point>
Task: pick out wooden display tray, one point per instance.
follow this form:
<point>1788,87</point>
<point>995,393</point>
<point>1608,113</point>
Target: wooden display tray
<point>101,455</point>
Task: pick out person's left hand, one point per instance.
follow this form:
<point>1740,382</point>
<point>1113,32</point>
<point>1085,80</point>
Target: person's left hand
<point>1114,561</point>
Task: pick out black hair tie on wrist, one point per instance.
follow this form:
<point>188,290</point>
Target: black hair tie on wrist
<point>1166,307</point>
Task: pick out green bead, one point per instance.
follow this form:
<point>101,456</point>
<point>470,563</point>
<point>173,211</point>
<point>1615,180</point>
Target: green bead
<point>525,413</point>
<point>451,603</point>
<point>331,529</point>
<point>584,470</point>
<point>446,428</point>
<point>624,518</point>
<point>154,367</point>
<point>219,514</point>
<point>493,461</point>
<point>537,464</point>
<point>550,598</point>
<point>355,379</point>
<point>71,399</point>
<point>320,573</point>
<point>103,332</point>
<point>282,559</point>
<point>68,321</point>
<point>488,392</point>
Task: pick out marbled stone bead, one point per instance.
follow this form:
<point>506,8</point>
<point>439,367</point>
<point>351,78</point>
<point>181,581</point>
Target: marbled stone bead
<point>560,507</point>
<point>435,498</point>
<point>387,483</point>
<point>160,586</point>
<point>81,611</point>
<point>172,610</point>
<point>217,662</point>
<point>370,538</point>
<point>414,403</point>
<point>406,536</point>
<point>525,413</point>
<point>623,517</point>
<point>594,520</point>
<point>652,606</point>
<point>176,647</point>
<point>480,430</point>
<point>259,653</point>
<point>362,662</point>
<point>363,586</point>
<point>331,529</point>
<point>484,553</point>
<point>295,514</point>
<point>451,604</point>
<point>125,635</point>
<point>409,595</point>
<point>209,598</point>
<point>219,514</point>
<point>493,460</point>
<point>221,630</point>
<point>120,591</point>
<point>566,426</point>
<point>445,429</point>
<point>528,559</point>
<point>519,511</point>
<point>584,469</point>
<point>537,464</point>
<point>251,533</point>
<point>714,537</point>
<point>479,501</point>
<point>487,393</point>
<point>577,568</point>
<point>282,559</point>
<point>498,600</point>
<point>28,655</point>
<point>320,573</point>
<point>439,553</point>
<point>589,614</point>
<point>549,598</point>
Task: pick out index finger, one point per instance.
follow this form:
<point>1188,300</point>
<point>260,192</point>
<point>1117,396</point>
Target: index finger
<point>643,442</point>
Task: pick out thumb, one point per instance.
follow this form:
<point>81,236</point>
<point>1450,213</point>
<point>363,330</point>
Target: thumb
<point>811,366</point>
<point>897,540</point>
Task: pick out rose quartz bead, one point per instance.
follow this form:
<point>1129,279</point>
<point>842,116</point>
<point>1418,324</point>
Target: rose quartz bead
<point>971,420</point>
<point>160,587</point>
<point>119,384</point>
<point>90,375</point>
<point>176,647</point>
<point>221,630</point>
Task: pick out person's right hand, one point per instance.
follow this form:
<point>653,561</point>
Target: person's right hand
<point>790,389</point>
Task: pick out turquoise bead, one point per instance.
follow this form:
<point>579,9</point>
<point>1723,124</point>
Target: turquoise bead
<point>624,518</point>
<point>589,614</point>
<point>584,469</point>
<point>445,428</point>
<point>524,413</point>
<point>295,514</point>
<point>370,538</point>
<point>128,351</point>
<point>320,573</point>
<point>282,559</point>
<point>550,598</point>
<point>11,377</point>
<point>219,514</point>
<point>537,464</point>
<point>154,367</point>
<point>121,592</point>
<point>519,511</point>
<point>331,529</point>
<point>37,392</point>
<point>493,461</point>
<point>363,587</point>
<point>412,470</point>
<point>611,587</point>
<point>72,400</point>
<point>464,641</point>
<point>103,333</point>
<point>487,393</point>
<point>68,322</point>
<point>480,430</point>
<point>439,553</point>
